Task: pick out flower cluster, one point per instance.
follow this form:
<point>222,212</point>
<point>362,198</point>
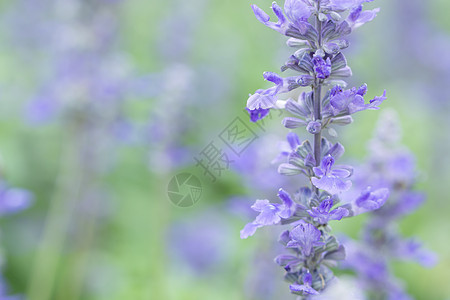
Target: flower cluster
<point>389,166</point>
<point>317,30</point>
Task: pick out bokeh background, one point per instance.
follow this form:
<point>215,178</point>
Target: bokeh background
<point>103,102</point>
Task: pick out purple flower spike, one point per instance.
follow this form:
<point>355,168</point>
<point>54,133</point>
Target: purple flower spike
<point>323,215</point>
<point>305,236</point>
<point>372,200</point>
<point>305,288</point>
<point>330,180</point>
<point>317,30</point>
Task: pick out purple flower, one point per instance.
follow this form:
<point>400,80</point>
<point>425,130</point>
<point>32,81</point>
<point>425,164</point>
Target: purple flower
<point>305,288</point>
<point>346,4</point>
<point>367,265</point>
<point>298,12</point>
<point>270,213</point>
<point>258,114</point>
<point>186,240</point>
<point>329,180</point>
<point>323,215</point>
<point>305,236</point>
<point>265,99</point>
<point>13,200</point>
<point>41,109</point>
<point>401,168</point>
<point>293,140</point>
<point>249,230</point>
<point>372,200</point>
<point>287,148</point>
<point>289,262</point>
<point>322,67</point>
<point>264,18</point>
<point>412,249</point>
<point>262,99</point>
<point>357,17</point>
<point>406,203</point>
<point>351,101</point>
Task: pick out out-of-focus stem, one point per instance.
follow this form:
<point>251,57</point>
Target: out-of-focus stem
<point>62,204</point>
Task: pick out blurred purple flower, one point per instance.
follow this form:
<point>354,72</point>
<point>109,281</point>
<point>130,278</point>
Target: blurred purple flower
<point>13,200</point>
<point>201,242</point>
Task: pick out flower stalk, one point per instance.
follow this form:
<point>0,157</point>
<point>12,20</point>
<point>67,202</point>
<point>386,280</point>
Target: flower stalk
<point>317,29</point>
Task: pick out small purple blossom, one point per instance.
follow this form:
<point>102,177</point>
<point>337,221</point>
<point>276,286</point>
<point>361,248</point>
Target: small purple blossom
<point>331,180</point>
<point>366,265</point>
<point>358,17</point>
<point>323,213</point>
<point>298,12</point>
<point>305,236</point>
<point>413,250</point>
<point>258,114</point>
<point>270,213</point>
<point>322,67</point>
<point>289,262</point>
<point>293,140</point>
<point>288,147</point>
<point>351,101</point>
<point>264,18</point>
<point>265,99</point>
<point>406,203</point>
<point>341,5</point>
<point>13,200</point>
<point>305,288</point>
<point>372,200</point>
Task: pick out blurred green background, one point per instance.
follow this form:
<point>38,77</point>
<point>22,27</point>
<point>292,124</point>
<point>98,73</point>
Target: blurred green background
<point>127,240</point>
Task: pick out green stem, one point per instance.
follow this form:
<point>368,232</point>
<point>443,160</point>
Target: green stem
<point>62,204</point>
